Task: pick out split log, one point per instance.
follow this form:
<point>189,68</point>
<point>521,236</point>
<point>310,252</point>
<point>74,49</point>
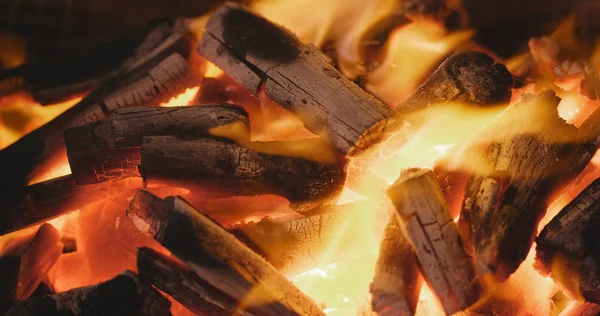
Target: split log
<point>110,149</point>
<point>23,266</point>
<point>426,222</point>
<point>397,282</point>
<point>184,285</point>
<point>147,80</point>
<point>46,200</point>
<point>261,55</point>
<point>125,294</point>
<point>218,257</point>
<point>466,76</point>
<point>570,244</point>
<point>503,206</point>
<point>224,166</point>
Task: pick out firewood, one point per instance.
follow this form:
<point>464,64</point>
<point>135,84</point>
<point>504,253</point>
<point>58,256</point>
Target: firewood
<point>296,245</point>
<point>208,164</point>
<point>426,222</point>
<point>570,243</point>
<point>147,80</point>
<point>110,149</point>
<point>217,256</point>
<point>125,294</point>
<point>261,55</point>
<point>46,200</point>
<point>183,284</point>
<point>397,282</point>
<point>23,266</point>
<point>466,76</point>
<point>503,205</point>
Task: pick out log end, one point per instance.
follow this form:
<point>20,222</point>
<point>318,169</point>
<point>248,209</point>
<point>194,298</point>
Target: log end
<point>148,212</point>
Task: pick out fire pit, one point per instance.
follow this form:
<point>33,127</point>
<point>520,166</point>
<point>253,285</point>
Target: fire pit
<point>384,158</point>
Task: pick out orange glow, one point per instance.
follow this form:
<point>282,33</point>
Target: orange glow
<point>411,52</point>
<point>185,98</point>
<point>12,50</point>
<point>212,71</point>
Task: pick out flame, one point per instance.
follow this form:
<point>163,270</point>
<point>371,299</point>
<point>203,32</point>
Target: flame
<point>212,71</point>
<point>400,73</point>
<point>187,97</point>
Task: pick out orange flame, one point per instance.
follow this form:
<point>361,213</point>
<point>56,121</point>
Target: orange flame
<point>183,99</point>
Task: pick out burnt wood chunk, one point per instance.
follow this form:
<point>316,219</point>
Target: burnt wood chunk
<point>504,204</point>
<point>218,257</point>
<point>23,266</point>
<point>570,244</point>
<point>466,76</point>
<point>110,149</point>
<point>397,282</point>
<point>230,168</point>
<point>46,200</point>
<point>184,285</point>
<point>262,55</point>
<point>154,77</point>
<point>125,294</point>
<point>426,222</point>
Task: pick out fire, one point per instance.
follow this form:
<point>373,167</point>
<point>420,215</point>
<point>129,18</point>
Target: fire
<point>185,98</point>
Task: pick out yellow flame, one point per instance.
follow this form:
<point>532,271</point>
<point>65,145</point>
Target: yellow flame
<point>212,71</point>
<point>411,52</point>
<point>185,98</point>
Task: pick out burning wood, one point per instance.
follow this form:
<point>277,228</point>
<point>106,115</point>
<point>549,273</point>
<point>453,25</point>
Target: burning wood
<point>262,55</point>
<point>502,208</point>
<point>110,149</point>
<point>230,168</point>
<point>125,294</point>
<point>426,222</point>
<point>155,77</point>
<point>46,200</point>
<point>217,257</point>
<point>23,266</point>
<point>569,245</point>
<point>184,285</point>
<point>397,282</point>
<point>466,76</point>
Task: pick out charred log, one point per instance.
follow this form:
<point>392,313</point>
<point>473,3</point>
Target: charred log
<point>224,166</point>
<point>426,222</point>
<point>147,80</point>
<point>217,256</point>
<point>125,294</point>
<point>46,200</point>
<point>397,282</point>
<point>262,55</point>
<point>110,149</point>
<point>23,266</point>
<point>502,208</point>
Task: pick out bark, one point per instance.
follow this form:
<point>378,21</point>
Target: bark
<point>110,149</point>
<point>503,206</point>
<point>46,200</point>
<point>125,294</point>
<point>217,256</point>
<point>23,267</point>
<point>426,222</point>
<point>261,55</point>
<point>224,166</point>
<point>397,282</point>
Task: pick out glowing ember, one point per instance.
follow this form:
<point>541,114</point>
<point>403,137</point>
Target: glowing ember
<point>183,99</point>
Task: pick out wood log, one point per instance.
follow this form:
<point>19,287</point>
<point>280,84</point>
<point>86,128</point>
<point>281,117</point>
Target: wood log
<point>227,167</point>
<point>261,55</point>
<point>217,256</point>
<point>148,79</point>
<point>503,205</point>
<point>110,149</point>
<point>397,282</point>
<point>426,222</point>
<point>466,76</point>
<point>125,294</point>
<point>23,266</point>
<point>569,243</point>
<point>46,200</point>
<point>184,285</point>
